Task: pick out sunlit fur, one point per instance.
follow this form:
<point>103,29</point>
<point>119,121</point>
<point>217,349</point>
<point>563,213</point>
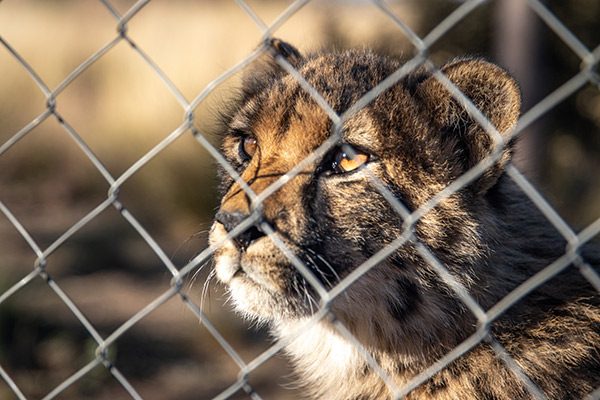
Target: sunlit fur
<point>488,235</point>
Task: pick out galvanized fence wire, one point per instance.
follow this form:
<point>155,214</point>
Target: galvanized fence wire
<point>589,61</point>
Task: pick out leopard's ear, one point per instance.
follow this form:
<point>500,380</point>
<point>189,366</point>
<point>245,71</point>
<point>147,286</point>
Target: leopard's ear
<point>266,69</point>
<point>494,93</point>
<point>278,47</point>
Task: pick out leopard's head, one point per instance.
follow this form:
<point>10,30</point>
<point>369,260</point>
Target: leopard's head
<point>309,200</point>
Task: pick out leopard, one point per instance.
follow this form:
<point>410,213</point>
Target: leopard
<point>327,233</point>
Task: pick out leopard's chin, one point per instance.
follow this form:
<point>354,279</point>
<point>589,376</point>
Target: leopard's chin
<point>258,303</point>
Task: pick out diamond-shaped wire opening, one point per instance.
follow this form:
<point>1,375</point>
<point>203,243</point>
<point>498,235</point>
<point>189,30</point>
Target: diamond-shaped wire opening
<point>39,171</point>
<point>110,103</point>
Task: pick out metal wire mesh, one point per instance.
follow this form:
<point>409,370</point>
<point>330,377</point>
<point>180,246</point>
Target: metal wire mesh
<point>179,273</point>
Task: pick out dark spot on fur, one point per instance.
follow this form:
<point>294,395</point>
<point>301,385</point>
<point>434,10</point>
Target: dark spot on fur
<point>406,301</point>
<point>496,198</point>
<point>366,370</point>
<point>438,383</point>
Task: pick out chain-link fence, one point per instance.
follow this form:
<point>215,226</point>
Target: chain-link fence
<point>56,135</point>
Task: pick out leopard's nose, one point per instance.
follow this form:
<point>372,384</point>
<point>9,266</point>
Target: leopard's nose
<point>230,220</point>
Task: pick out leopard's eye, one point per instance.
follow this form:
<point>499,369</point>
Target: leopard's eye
<point>347,161</point>
<point>248,147</point>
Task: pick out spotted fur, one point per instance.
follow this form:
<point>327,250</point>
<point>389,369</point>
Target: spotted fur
<point>418,139</point>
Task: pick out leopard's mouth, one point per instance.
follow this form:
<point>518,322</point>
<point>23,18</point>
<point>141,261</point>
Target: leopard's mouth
<point>261,263</point>
<point>233,267</point>
<point>262,280</point>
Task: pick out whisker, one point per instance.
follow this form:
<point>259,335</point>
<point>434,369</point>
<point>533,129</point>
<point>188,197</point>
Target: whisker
<point>327,264</point>
<point>196,273</point>
<point>205,290</point>
<point>308,296</point>
<point>333,271</point>
<point>188,241</point>
<point>317,269</point>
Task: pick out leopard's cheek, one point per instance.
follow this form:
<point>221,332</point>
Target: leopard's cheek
<point>265,265</point>
<point>362,224</point>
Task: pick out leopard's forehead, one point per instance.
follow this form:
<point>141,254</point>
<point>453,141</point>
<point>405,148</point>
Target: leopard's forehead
<point>343,78</point>
<point>295,128</point>
<point>286,117</point>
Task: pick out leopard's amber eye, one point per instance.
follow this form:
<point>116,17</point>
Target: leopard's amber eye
<point>345,162</point>
<point>249,147</point>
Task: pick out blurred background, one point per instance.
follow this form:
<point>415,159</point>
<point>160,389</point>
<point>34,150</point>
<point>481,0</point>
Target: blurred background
<point>121,109</point>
